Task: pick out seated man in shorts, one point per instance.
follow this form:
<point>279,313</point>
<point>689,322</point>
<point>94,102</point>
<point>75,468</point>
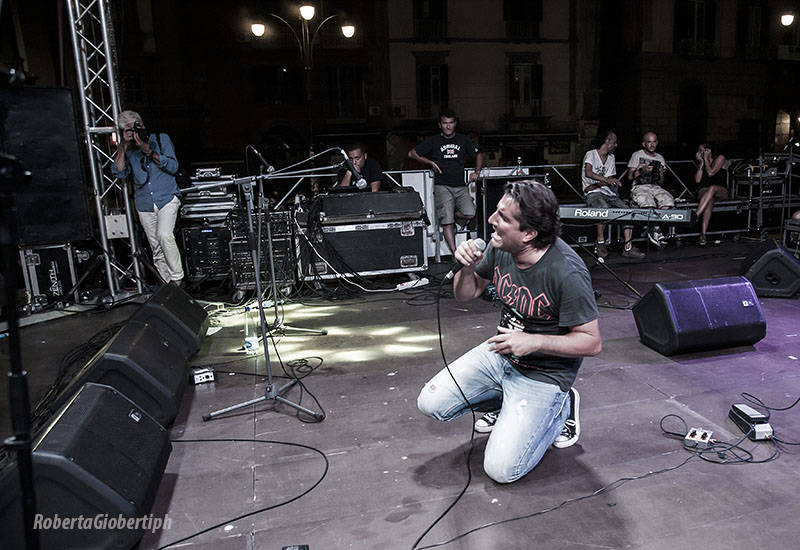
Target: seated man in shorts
<point>601,190</point>
<point>646,171</point>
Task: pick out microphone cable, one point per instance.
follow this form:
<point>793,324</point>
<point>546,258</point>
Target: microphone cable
<point>472,411</point>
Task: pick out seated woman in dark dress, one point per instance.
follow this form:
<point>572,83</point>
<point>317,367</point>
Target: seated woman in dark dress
<point>712,177</point>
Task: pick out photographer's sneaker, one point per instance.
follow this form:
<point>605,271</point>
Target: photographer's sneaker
<point>485,424</point>
<point>572,428</point>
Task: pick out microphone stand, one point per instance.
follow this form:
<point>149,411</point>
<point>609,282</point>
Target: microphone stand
<point>12,177</point>
<point>602,263</point>
<point>272,393</point>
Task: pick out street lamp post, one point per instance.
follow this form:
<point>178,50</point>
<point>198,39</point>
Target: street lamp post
<point>305,41</point>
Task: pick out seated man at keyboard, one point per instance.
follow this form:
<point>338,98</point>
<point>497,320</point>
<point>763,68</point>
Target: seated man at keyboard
<point>646,171</point>
<point>601,190</point>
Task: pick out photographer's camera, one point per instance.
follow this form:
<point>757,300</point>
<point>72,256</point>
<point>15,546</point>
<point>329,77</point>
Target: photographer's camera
<point>141,131</point>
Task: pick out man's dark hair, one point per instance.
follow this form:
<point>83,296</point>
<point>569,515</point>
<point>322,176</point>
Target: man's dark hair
<point>601,138</point>
<point>447,113</point>
<point>355,145</point>
<point>538,209</point>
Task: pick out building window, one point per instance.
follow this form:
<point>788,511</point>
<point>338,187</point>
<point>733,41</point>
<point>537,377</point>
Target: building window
<point>695,23</point>
<point>432,91</point>
<point>753,39</point>
<point>522,19</point>
<point>783,129</point>
<point>346,92</point>
<point>526,90</point>
<point>131,89</point>
<point>278,86</point>
<point>430,20</point>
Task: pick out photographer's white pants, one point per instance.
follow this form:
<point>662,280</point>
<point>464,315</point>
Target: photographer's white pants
<point>159,226</point>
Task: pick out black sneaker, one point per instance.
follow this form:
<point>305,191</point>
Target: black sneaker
<point>485,424</point>
<point>572,428</point>
<point>632,252</point>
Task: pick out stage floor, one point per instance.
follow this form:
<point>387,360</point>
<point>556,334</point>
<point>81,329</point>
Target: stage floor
<point>388,472</point>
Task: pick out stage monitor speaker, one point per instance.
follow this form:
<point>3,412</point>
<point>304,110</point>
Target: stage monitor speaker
<point>773,271</point>
<point>176,316</point>
<point>700,315</point>
<point>101,459</point>
<point>39,127</point>
<point>141,364</point>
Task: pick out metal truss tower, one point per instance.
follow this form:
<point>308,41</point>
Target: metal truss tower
<point>96,68</point>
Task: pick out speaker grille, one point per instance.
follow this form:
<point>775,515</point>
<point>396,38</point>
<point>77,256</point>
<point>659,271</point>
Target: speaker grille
<point>176,316</point>
<point>52,154</point>
<point>142,365</point>
<point>101,456</point>
<point>110,438</point>
<point>772,270</point>
<point>702,314</point>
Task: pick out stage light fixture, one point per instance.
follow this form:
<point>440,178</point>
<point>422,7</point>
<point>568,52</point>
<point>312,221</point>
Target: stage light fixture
<point>787,18</point>
<point>348,30</point>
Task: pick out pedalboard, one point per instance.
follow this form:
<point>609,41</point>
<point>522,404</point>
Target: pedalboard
<point>752,423</point>
<point>202,375</point>
<point>698,438</point>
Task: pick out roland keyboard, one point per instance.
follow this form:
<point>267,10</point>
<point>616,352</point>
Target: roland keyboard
<point>672,216</point>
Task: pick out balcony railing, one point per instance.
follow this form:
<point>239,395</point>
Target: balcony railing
<point>431,30</point>
<point>788,53</point>
<point>345,110</point>
<point>427,110</point>
<point>690,46</point>
<point>527,110</point>
<point>522,31</point>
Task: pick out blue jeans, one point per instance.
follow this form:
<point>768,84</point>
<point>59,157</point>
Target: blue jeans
<point>533,413</point>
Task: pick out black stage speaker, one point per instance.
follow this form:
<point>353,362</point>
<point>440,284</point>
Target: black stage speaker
<point>773,271</point>
<point>699,315</point>
<point>38,127</point>
<point>140,363</point>
<point>100,458</point>
<point>176,317</point>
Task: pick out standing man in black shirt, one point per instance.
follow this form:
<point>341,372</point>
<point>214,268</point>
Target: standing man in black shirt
<point>446,153</point>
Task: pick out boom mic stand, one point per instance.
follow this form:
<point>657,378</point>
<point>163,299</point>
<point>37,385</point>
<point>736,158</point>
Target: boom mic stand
<point>602,263</point>
<point>271,392</point>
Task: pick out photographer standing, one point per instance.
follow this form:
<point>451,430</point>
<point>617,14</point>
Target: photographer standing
<point>646,171</point>
<point>151,160</point>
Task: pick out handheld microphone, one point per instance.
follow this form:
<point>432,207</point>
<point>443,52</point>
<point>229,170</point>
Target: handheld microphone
<point>480,244</point>
<point>267,165</point>
<point>358,179</point>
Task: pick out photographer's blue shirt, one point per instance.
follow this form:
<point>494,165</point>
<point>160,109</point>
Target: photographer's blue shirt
<point>153,182</point>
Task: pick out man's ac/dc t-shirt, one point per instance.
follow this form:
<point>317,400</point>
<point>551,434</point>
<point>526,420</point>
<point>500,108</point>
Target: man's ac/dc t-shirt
<point>548,297</point>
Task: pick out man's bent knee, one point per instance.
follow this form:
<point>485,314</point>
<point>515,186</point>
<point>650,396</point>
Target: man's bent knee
<point>429,400</point>
<point>500,472</point>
